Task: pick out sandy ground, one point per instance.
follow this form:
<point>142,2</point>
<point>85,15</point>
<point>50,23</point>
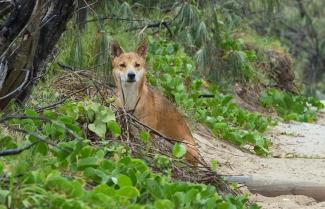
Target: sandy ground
<point>298,157</point>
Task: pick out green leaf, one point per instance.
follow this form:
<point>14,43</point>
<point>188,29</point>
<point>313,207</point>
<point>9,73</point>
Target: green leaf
<point>123,181</point>
<point>1,167</point>
<point>104,114</point>
<point>139,165</point>
<point>145,136</point>
<point>50,114</point>
<point>179,150</point>
<point>77,189</point>
<point>42,148</point>
<point>87,162</point>
<point>103,188</point>
<point>99,128</point>
<point>155,189</point>
<point>129,192</point>
<point>179,199</point>
<point>214,165</point>
<point>164,204</point>
<point>7,142</point>
<point>100,200</point>
<point>226,100</point>
<point>3,195</point>
<point>190,197</point>
<point>96,175</point>
<point>114,127</point>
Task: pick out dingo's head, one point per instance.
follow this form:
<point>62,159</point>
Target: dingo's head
<point>129,68</point>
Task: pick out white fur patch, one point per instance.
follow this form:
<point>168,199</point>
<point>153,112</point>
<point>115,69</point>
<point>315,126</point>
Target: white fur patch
<point>129,94</point>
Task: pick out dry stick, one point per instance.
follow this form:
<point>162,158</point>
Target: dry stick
<point>20,150</point>
<point>39,138</point>
<point>17,151</point>
<point>166,24</point>
<point>125,113</point>
<point>167,138</point>
<point>9,117</point>
<point>114,18</point>
<point>61,101</point>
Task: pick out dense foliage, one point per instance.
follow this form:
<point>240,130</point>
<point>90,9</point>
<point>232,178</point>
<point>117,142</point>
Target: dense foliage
<point>292,107</point>
<point>64,169</point>
<point>174,72</point>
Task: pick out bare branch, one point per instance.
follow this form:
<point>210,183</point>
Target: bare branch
<point>18,150</point>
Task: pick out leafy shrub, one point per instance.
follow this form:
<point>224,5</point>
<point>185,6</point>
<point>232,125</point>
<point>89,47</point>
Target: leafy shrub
<point>173,71</point>
<point>291,107</point>
<point>72,173</point>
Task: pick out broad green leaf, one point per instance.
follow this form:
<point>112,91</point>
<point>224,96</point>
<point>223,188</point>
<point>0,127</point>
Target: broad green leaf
<point>123,181</point>
<point>42,148</point>
<point>99,128</point>
<point>87,162</point>
<point>96,175</point>
<point>3,196</point>
<point>179,199</point>
<point>100,200</point>
<point>103,188</point>
<point>155,189</point>
<point>77,189</point>
<point>7,142</point>
<point>164,204</point>
<point>105,114</point>
<point>114,127</point>
<point>129,192</point>
<point>179,150</point>
<point>139,165</point>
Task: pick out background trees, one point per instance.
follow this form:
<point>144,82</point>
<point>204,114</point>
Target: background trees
<point>211,31</point>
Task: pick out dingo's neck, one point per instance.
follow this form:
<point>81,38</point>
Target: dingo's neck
<point>130,93</point>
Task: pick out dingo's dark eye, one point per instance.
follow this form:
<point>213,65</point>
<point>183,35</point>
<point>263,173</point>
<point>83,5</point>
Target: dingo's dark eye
<point>137,65</point>
<point>122,65</point>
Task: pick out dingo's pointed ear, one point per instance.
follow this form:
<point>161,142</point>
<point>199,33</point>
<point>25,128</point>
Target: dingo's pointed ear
<point>142,49</point>
<point>116,49</point>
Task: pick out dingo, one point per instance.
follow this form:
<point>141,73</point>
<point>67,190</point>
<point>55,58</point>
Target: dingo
<point>148,106</point>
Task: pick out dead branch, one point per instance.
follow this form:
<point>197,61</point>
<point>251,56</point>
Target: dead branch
<point>18,150</point>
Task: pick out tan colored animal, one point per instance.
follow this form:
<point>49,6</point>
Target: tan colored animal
<point>148,106</point>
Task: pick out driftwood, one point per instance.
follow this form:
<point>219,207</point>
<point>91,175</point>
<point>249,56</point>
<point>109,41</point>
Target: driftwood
<point>273,188</point>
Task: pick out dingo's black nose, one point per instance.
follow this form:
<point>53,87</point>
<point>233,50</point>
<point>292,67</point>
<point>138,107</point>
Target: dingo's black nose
<point>131,76</point>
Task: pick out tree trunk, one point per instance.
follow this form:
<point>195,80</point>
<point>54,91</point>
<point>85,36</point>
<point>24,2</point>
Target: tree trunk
<point>27,38</point>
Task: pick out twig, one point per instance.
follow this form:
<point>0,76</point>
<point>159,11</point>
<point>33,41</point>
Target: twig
<point>9,117</point>
<point>66,67</point>
<point>166,24</point>
<point>16,151</point>
<point>114,18</point>
<point>38,137</point>
<point>61,101</point>
<point>155,131</point>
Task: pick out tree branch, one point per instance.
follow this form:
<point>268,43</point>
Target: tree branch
<point>18,150</point>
